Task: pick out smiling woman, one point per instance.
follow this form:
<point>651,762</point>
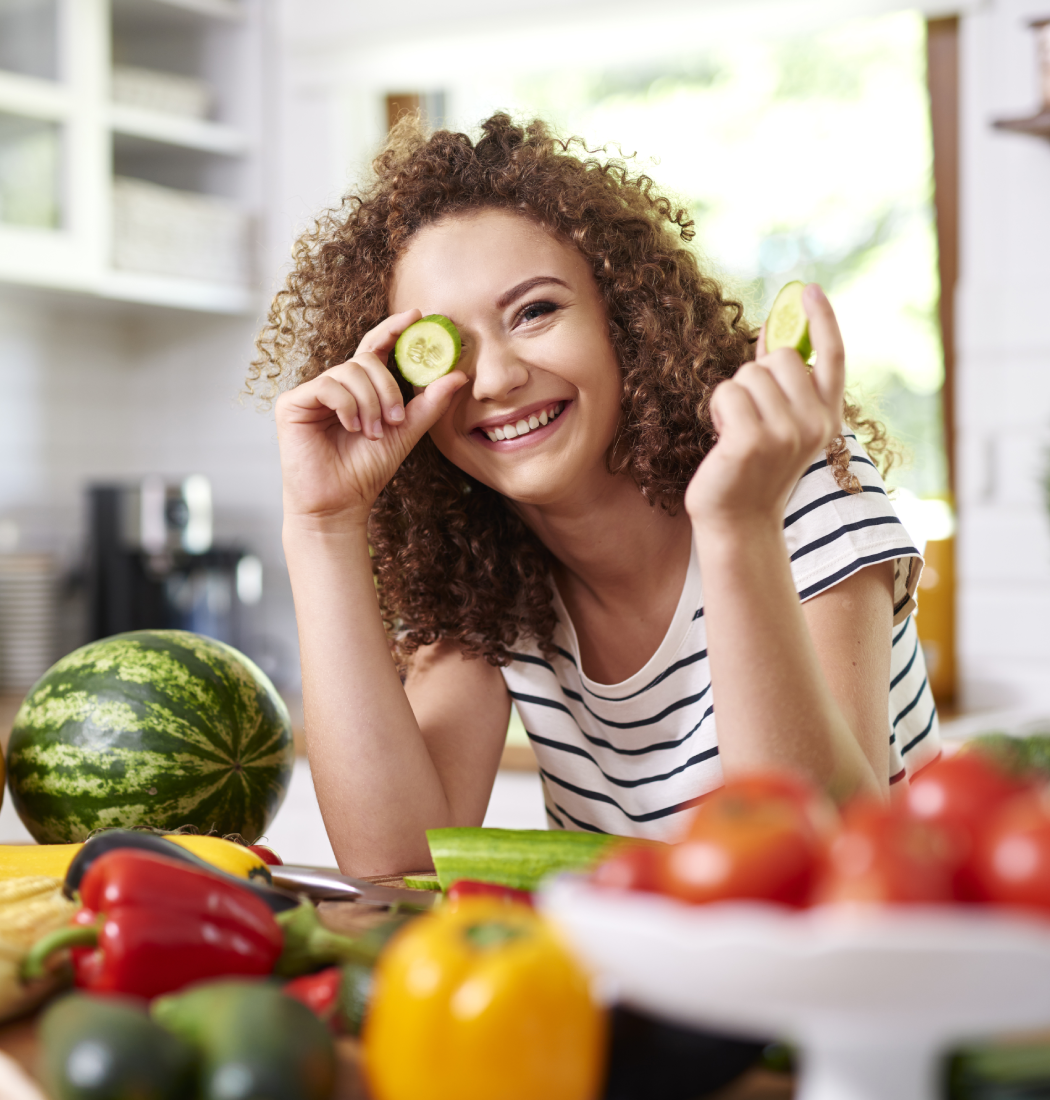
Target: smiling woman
<point>539,519</point>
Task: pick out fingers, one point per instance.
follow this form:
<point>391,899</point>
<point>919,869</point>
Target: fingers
<point>760,350</point>
<point>829,372</point>
<point>379,340</point>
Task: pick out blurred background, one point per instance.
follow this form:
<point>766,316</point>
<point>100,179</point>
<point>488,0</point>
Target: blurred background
<point>159,157</point>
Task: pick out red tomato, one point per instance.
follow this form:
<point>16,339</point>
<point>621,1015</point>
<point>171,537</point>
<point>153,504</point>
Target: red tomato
<point>882,855</point>
<point>472,888</point>
<point>1011,859</point>
<point>267,855</point>
<point>960,793</point>
<point>754,838</point>
<point>629,866</point>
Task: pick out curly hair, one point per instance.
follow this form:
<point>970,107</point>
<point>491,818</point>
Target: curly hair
<point>452,561</point>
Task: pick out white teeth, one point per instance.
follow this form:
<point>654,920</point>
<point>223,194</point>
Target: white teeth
<point>523,427</point>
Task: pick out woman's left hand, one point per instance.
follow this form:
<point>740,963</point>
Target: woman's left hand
<point>772,418</point>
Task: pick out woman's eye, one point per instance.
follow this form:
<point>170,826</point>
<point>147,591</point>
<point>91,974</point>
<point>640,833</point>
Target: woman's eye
<point>536,309</point>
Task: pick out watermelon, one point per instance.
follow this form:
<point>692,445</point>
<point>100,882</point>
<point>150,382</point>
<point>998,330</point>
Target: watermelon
<point>155,727</point>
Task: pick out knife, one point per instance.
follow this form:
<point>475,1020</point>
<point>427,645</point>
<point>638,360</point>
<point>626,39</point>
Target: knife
<point>320,883</point>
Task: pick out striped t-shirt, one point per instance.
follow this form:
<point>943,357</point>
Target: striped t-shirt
<point>629,758</point>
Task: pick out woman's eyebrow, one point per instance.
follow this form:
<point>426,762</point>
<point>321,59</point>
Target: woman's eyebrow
<point>516,292</point>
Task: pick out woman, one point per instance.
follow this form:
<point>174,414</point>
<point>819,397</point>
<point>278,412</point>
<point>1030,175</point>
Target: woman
<point>607,513</point>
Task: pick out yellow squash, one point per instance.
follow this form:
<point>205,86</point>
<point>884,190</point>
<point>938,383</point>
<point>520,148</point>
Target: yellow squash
<point>482,1001</point>
<point>17,860</point>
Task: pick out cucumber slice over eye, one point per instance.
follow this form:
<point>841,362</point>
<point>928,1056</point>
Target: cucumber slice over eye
<point>787,325</point>
<point>427,350</point>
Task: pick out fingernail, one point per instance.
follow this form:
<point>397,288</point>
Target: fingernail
<point>816,292</point>
<point>355,424</point>
<point>377,428</point>
<point>397,413</point>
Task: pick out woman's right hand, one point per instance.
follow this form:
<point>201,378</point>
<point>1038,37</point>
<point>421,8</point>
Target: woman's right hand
<point>343,434</point>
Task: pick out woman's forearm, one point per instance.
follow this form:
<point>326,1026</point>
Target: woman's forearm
<point>773,704</point>
<point>376,783</point>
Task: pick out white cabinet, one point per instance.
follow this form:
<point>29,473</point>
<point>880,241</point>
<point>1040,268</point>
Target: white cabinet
<point>129,162</point>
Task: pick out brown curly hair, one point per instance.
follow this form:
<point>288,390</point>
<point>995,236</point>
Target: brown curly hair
<point>452,560</point>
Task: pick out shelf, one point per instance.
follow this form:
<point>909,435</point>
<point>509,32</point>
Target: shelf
<point>1037,125</point>
<point>35,98</point>
<point>230,11</point>
<point>50,260</point>
<point>171,129</point>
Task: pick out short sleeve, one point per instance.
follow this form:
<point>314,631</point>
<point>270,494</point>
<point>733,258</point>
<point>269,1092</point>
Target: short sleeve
<point>832,534</point>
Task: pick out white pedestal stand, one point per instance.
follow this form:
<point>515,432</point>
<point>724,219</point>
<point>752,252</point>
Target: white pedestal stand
<point>872,997</point>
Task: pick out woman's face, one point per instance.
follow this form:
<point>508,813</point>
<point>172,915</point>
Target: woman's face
<point>541,408</point>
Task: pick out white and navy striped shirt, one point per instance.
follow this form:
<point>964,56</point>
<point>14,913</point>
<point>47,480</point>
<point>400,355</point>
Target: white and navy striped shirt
<point>629,758</point>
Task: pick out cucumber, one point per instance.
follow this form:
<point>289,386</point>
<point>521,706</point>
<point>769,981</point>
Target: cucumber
<point>519,858</point>
<point>427,350</point>
<point>787,325</point>
<point>107,1048</point>
<point>422,882</point>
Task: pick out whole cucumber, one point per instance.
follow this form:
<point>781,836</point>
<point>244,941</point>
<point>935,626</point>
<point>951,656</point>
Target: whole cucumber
<point>252,1040</point>
<point>107,1048</point>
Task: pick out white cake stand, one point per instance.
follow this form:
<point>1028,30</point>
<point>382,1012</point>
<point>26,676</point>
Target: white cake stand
<point>872,998</point>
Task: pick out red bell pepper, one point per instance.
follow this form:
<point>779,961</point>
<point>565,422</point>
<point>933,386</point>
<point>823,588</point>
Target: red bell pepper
<point>151,925</point>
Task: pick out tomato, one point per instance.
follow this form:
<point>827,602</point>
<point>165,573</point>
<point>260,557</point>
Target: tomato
<point>1011,859</point>
<point>882,855</point>
<point>755,838</point>
<point>960,793</point>
<point>629,866</point>
<point>472,888</point>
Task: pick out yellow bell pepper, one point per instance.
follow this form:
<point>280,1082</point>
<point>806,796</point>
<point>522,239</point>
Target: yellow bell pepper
<point>482,1002</point>
<point>53,860</point>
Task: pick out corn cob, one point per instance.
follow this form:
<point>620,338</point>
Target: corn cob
<point>29,908</point>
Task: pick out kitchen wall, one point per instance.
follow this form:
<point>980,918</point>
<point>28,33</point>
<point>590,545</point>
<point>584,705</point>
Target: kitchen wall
<point>1003,349</point>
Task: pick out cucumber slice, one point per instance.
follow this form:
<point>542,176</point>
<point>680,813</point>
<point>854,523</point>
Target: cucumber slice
<point>427,350</point>
<point>787,325</point>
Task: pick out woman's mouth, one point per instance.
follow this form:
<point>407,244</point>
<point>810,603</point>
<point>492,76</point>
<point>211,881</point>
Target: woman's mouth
<point>513,428</point>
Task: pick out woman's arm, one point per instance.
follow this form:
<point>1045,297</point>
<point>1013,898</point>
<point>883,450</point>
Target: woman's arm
<point>796,686</point>
<point>380,778</point>
<point>388,762</point>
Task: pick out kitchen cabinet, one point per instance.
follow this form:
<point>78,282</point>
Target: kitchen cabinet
<point>129,151</point>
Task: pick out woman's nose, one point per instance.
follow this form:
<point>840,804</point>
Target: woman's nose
<point>495,373</point>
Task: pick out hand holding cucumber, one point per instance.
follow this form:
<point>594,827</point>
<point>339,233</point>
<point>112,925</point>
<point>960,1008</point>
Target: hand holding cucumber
<point>774,415</point>
<point>344,433</point>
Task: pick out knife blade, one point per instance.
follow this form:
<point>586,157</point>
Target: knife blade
<point>324,884</point>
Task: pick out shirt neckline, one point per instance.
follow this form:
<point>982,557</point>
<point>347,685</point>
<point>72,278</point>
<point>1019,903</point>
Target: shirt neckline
<point>688,603</point>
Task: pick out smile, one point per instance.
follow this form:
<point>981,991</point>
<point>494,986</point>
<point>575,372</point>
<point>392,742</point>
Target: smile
<point>513,428</point>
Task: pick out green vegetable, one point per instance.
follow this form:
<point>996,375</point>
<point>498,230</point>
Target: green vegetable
<point>519,858</point>
<point>422,882</point>
<point>355,988</point>
<point>309,945</point>
<point>107,1048</point>
<point>787,325</point>
<point>427,350</point>
<point>1010,1071</point>
<point>1019,756</point>
<point>254,1042</point>
<point>156,727</point>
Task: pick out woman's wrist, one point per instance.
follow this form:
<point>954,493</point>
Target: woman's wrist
<point>734,533</point>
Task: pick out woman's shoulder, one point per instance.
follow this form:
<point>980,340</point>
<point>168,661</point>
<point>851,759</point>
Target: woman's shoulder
<point>832,532</point>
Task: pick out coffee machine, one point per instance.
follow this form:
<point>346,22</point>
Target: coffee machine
<point>152,562</point>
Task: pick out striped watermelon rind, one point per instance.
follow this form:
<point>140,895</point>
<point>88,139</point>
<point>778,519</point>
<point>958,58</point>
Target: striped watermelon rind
<point>154,727</point>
